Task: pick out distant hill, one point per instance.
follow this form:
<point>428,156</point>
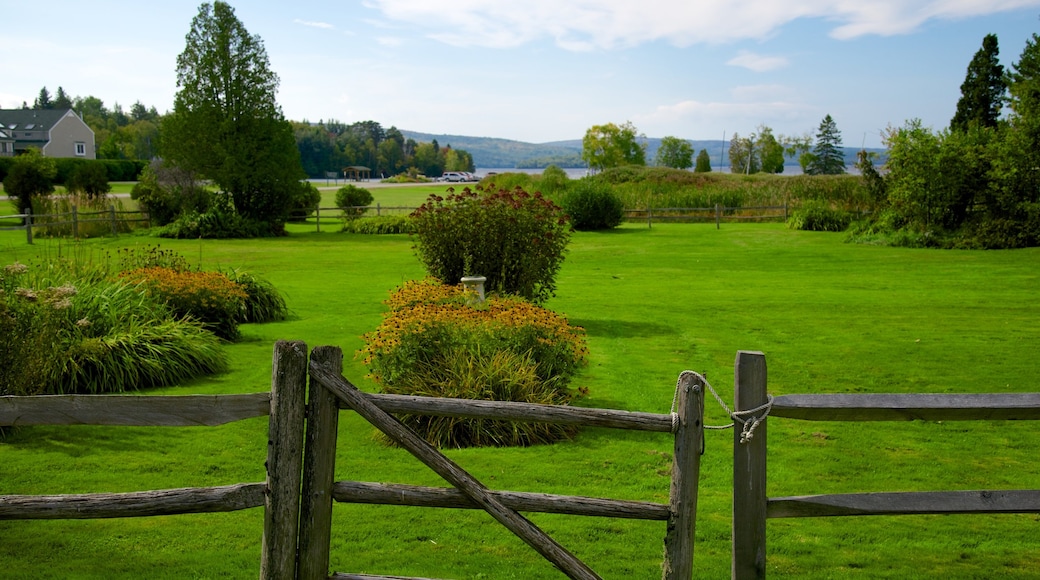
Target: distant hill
<point>490,152</point>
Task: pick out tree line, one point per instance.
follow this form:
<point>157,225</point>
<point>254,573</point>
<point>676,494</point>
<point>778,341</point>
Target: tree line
<point>975,183</point>
<point>611,145</point>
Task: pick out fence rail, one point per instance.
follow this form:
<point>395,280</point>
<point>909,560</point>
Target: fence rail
<point>717,214</point>
<point>752,507</point>
<point>278,495</point>
<point>73,219</point>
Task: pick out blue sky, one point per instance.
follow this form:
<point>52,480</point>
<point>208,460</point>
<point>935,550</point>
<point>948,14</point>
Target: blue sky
<point>544,70</point>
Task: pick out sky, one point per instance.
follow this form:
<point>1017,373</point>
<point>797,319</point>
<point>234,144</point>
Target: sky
<point>544,70</point>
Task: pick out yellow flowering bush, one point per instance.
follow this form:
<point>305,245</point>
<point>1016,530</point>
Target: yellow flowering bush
<point>437,341</point>
<point>209,297</point>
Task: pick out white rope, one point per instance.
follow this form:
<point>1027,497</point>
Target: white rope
<point>747,418</point>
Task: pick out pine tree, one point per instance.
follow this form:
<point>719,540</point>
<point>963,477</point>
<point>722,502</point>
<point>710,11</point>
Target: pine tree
<point>982,93</point>
<point>827,155</point>
<point>703,162</point>
<point>43,101</point>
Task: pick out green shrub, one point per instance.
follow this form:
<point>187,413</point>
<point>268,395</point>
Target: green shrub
<point>263,302</point>
<point>219,221</point>
<point>166,192</point>
<point>553,181</point>
<point>435,342</point>
<point>89,179</point>
<point>593,206</point>
<point>353,200</point>
<point>387,224</point>
<point>509,181</point>
<point>304,199</point>
<point>818,216</point>
<point>209,297</point>
<point>514,239</point>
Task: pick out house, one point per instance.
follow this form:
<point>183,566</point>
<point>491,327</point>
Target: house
<point>6,143</point>
<point>55,132</point>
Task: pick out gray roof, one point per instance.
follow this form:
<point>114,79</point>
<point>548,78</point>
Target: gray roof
<point>39,119</point>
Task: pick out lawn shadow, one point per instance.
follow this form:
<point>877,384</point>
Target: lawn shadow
<point>622,328</point>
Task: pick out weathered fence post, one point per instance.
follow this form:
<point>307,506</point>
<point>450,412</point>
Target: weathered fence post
<point>686,469</point>
<point>112,219</point>
<point>317,216</point>
<point>284,461</point>
<point>718,216</point>
<point>28,225</point>
<point>75,223</point>
<point>749,471</point>
<point>318,471</point>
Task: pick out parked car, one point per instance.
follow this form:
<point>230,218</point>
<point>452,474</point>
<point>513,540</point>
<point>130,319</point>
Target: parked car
<point>453,176</point>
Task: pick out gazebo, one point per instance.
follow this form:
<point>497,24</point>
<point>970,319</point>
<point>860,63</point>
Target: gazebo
<point>356,173</point>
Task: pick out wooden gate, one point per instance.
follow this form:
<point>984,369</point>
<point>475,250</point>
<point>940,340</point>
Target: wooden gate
<point>329,392</point>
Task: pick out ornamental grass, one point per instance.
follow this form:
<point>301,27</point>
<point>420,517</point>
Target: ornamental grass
<point>70,330</point>
<point>436,340</point>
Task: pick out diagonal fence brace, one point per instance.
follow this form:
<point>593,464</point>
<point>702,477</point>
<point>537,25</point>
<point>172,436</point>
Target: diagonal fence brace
<point>453,474</point>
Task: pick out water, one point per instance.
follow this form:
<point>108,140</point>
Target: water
<point>579,172</point>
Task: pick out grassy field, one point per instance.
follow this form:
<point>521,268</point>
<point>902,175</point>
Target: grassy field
<point>830,317</point>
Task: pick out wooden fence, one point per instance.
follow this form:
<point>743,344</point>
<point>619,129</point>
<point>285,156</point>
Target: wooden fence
<point>717,214</point>
<point>113,221</point>
<point>751,506</point>
<point>297,526</point>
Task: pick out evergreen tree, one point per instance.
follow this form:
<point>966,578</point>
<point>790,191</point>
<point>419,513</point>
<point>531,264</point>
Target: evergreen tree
<point>703,162</point>
<point>226,124</point>
<point>827,155</point>
<point>43,100</point>
<point>62,100</point>
<point>982,93</point>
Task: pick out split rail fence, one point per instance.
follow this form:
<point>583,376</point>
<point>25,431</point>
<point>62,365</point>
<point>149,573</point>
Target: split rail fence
<point>717,214</point>
<point>299,490</point>
<point>751,506</point>
<point>72,221</point>
<point>302,450</point>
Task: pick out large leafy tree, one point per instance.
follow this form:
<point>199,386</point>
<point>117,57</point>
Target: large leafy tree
<point>771,151</point>
<point>743,156</point>
<point>827,155</point>
<point>226,124</point>
<point>612,145</point>
<point>982,93</point>
<point>675,153</point>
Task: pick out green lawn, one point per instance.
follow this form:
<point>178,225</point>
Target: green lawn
<point>829,316</point>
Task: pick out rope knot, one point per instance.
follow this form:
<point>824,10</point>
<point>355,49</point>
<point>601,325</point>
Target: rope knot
<point>748,419</point>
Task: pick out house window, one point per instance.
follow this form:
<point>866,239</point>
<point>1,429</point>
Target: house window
<point>81,149</point>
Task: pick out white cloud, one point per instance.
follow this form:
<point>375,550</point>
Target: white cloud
<point>757,62</point>
<point>605,24</point>
<point>390,41</point>
<point>314,24</point>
